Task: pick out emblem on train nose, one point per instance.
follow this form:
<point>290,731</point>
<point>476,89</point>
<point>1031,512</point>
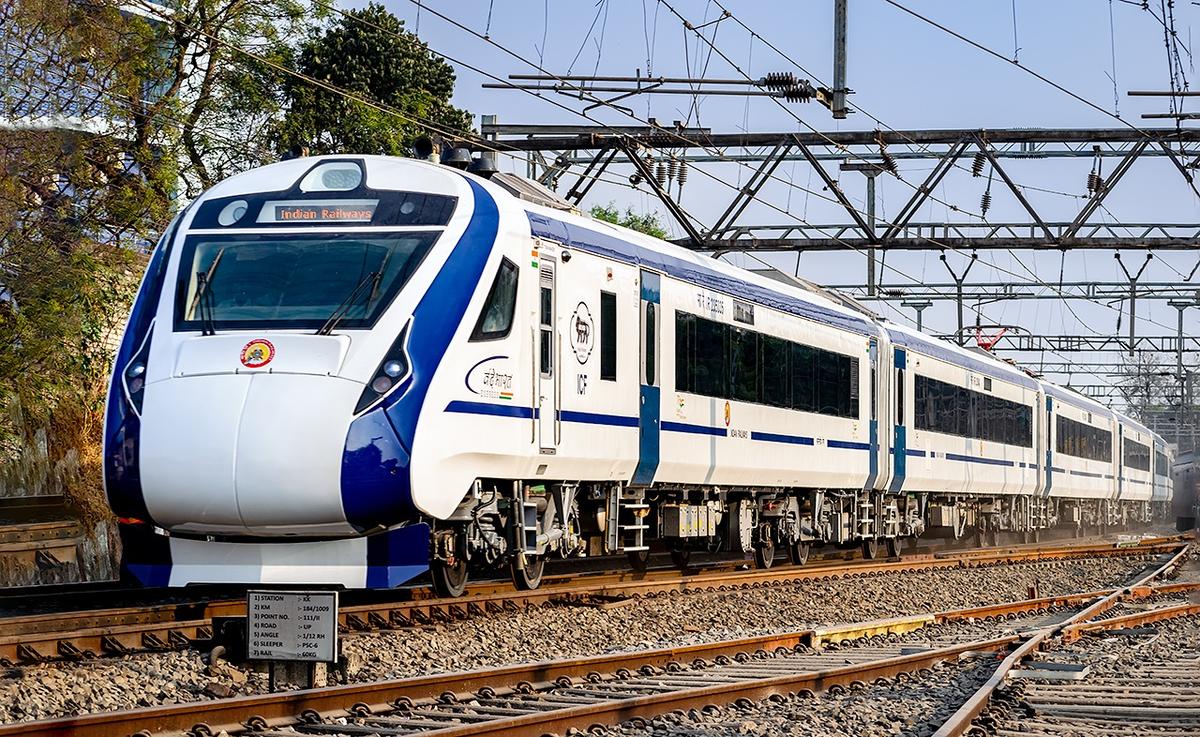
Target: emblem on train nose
<point>582,331</point>
<point>257,353</point>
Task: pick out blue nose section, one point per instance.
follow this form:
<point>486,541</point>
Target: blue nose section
<point>375,480</point>
<point>376,483</point>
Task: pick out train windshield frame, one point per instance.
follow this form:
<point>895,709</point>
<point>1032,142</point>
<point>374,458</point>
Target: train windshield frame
<point>294,280</point>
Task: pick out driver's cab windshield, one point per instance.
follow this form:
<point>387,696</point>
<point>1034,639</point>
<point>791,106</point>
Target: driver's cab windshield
<point>294,280</point>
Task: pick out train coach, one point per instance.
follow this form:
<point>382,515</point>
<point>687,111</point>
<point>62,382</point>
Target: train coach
<point>353,371</point>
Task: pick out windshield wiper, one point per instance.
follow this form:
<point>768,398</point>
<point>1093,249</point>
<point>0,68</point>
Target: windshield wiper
<point>344,308</point>
<point>203,296</point>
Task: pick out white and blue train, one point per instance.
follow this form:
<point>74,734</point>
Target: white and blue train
<point>353,370</point>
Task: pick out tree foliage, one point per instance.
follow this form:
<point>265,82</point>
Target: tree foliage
<point>123,110</point>
<point>648,223</point>
<point>118,114</point>
<point>369,53</point>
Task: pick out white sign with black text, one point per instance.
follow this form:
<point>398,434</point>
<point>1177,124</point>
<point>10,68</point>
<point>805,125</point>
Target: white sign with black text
<point>292,625</point>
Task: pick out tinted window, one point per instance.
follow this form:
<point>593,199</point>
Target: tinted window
<point>1161,466</point>
<point>942,407</point>
<point>294,281</point>
<point>546,307</point>
<point>1137,455</point>
<point>651,344</point>
<point>714,359</point>
<point>710,370</point>
<point>744,364</point>
<point>1082,440</point>
<point>496,320</point>
<point>776,382</point>
<point>608,336</point>
<point>546,346</point>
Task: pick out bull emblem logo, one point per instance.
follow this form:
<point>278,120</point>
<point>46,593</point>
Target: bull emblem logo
<point>582,333</point>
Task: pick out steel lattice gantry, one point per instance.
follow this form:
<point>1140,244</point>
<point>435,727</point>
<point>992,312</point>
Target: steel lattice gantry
<point>578,155</point>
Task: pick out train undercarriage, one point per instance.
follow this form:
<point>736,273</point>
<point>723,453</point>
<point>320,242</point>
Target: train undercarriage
<point>519,526</point>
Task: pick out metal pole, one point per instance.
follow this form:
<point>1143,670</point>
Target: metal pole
<point>1133,280</point>
<point>1132,312</point>
<point>1180,306</point>
<point>839,59</point>
<point>871,227</point>
<point>958,291</point>
<point>919,306</point>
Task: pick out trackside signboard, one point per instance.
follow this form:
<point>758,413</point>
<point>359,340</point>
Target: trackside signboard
<point>292,625</point>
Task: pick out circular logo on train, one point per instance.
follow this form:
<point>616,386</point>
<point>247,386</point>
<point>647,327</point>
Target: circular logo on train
<point>583,338</point>
<point>727,414</point>
<point>257,353</point>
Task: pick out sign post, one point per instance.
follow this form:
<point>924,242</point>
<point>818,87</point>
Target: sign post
<point>292,627</point>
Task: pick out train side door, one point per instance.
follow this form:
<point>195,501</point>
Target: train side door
<point>547,352</point>
<point>649,391</point>
<point>899,430</point>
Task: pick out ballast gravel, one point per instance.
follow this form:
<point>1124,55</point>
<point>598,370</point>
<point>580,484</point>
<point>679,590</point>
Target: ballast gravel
<point>550,632</point>
<point>670,621</point>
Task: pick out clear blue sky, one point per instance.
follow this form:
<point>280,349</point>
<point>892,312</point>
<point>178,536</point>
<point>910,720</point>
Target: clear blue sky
<point>908,74</point>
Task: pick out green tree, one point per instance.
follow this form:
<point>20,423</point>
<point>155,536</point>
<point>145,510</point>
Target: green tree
<point>130,108</point>
<point>648,223</point>
<point>369,53</point>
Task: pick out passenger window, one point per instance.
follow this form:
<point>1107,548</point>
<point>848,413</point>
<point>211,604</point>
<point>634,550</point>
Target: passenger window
<point>744,363</point>
<point>774,364</point>
<point>608,336</point>
<point>495,322</point>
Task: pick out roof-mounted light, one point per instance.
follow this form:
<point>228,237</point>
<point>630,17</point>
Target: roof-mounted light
<point>335,176</point>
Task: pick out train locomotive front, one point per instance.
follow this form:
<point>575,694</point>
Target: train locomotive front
<point>271,378</point>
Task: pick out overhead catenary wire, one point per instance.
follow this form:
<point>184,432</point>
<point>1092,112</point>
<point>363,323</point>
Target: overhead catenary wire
<point>708,174</point>
<point>482,144</point>
<point>985,202</point>
<point>721,181</point>
<point>853,105</point>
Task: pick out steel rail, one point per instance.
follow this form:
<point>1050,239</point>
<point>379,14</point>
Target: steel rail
<point>961,720</point>
<point>360,700</point>
<point>283,709</point>
<point>82,635</point>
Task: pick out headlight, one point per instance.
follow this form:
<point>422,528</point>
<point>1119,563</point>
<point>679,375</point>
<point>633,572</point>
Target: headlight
<point>392,371</point>
<point>133,377</point>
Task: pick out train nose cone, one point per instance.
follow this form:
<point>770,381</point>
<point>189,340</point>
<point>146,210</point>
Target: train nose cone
<point>289,453</point>
<point>248,453</point>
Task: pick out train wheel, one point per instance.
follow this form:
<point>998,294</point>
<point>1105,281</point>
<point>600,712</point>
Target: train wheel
<point>680,557</point>
<point>870,548</point>
<point>764,553</point>
<point>798,552</point>
<point>528,576</point>
<point>893,547</point>
<point>638,559</point>
<point>449,579</point>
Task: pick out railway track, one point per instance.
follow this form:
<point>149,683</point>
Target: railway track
<point>38,538</point>
<point>1076,688</point>
<point>552,697</point>
<point>120,631</point>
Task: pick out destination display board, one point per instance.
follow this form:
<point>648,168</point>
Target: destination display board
<point>323,211</point>
<point>292,625</point>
